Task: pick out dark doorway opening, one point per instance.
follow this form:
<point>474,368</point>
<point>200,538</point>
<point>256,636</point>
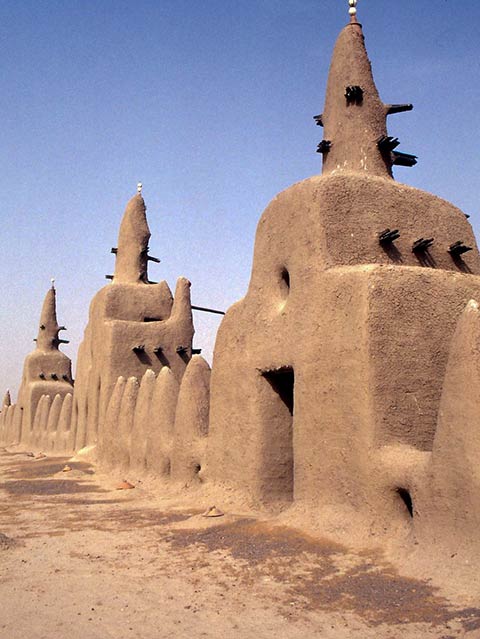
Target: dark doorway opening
<point>277,470</point>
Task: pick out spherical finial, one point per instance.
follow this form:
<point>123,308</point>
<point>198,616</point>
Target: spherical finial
<point>139,188</point>
<point>353,9</point>
<point>52,280</point>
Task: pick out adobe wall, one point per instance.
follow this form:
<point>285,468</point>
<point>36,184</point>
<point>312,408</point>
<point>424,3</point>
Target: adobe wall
<point>155,426</point>
<point>364,332</point>
<point>46,371</point>
<point>134,325</point>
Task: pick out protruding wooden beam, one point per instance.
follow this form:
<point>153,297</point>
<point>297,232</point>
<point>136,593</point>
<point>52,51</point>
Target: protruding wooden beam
<point>387,143</point>
<point>139,348</point>
<point>387,236</point>
<point>403,159</point>
<point>207,310</point>
<point>458,248</point>
<point>324,146</point>
<point>354,94</point>
<point>421,245</point>
<point>398,108</point>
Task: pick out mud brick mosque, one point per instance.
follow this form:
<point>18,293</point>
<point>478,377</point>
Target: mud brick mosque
<point>345,385</point>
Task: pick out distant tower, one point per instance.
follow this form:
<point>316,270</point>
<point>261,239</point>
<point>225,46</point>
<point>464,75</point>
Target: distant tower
<point>47,371</point>
<point>134,325</point>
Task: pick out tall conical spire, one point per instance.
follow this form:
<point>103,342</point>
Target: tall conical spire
<point>354,117</point>
<point>47,339</point>
<point>132,251</point>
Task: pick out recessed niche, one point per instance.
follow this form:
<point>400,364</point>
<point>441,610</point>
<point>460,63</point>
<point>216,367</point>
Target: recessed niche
<point>406,499</point>
<point>284,283</point>
<point>277,436</point>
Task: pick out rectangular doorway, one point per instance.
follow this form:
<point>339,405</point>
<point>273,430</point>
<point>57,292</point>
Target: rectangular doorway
<point>277,441</point>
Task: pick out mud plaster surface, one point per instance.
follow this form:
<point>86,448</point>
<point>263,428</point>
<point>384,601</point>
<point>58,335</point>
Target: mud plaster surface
<point>80,559</point>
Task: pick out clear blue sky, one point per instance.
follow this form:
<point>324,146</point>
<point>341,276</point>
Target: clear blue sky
<point>210,105</point>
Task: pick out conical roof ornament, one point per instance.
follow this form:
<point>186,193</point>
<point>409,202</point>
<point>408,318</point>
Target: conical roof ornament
<point>354,118</point>
<point>132,249</point>
<point>47,338</point>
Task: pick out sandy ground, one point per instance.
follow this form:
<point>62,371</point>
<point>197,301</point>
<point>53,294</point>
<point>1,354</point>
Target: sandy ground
<point>79,559</point>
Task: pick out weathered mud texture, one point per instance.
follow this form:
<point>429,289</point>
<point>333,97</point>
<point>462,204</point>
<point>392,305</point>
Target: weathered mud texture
<point>345,385</point>
<point>47,371</point>
<point>330,376</point>
<point>159,432</point>
<point>455,471</point>
<point>107,446</point>
<point>64,436</point>
<point>138,435</point>
<point>191,422</point>
<point>134,326</point>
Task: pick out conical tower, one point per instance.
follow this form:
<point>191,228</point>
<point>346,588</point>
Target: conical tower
<point>134,325</point>
<point>131,264</point>
<point>46,371</point>
<point>339,348</point>
<point>354,116</point>
<point>47,338</point>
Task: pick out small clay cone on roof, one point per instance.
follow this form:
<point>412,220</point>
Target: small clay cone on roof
<point>47,338</point>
